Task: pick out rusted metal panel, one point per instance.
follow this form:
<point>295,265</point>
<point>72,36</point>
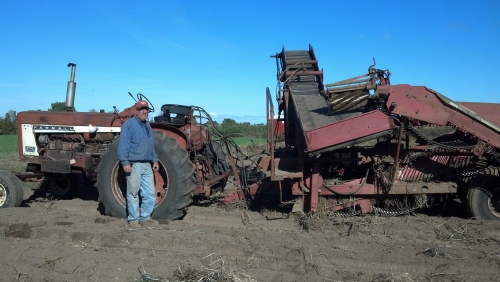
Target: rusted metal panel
<point>347,130</point>
<point>414,102</point>
<point>55,166</point>
<point>400,188</point>
<point>59,154</point>
<point>424,188</point>
<point>28,176</point>
<point>341,190</point>
<point>489,111</point>
<point>470,125</point>
<point>425,104</point>
<point>68,118</point>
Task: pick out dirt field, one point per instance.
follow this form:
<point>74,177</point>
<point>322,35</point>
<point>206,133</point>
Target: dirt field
<point>70,240</point>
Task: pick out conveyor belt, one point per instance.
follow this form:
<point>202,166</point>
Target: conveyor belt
<point>312,109</point>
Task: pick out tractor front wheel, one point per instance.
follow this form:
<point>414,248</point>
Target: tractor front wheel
<point>174,180</point>
<point>11,190</point>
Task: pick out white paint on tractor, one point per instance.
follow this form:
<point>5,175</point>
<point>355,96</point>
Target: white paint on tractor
<point>30,146</point>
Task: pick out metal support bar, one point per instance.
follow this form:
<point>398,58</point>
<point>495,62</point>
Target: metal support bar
<point>270,133</point>
<point>398,149</point>
<point>315,179</point>
<point>281,195</point>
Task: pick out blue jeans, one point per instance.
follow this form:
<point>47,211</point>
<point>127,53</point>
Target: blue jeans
<point>140,179</point>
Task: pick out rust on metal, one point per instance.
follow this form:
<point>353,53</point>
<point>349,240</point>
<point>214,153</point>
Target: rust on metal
<point>347,130</point>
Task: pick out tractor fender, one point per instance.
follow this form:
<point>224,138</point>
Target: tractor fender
<point>173,132</point>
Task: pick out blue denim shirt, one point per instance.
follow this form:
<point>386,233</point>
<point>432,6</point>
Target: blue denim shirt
<point>136,142</point>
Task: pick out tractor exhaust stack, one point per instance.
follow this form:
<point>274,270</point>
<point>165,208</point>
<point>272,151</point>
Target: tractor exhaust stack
<point>70,92</point>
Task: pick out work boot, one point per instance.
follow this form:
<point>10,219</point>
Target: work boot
<point>133,225</point>
<point>149,223</point>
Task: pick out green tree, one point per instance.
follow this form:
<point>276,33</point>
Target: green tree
<point>227,122</point>
<point>59,107</point>
<point>231,127</point>
<point>8,125</point>
<point>244,129</point>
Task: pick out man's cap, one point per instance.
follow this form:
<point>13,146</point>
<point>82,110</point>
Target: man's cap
<point>141,104</point>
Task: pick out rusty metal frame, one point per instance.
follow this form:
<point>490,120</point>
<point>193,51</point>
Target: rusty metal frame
<point>424,104</point>
<point>270,132</point>
<point>347,130</point>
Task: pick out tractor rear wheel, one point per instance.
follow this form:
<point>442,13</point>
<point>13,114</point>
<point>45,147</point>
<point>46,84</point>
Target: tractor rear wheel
<point>11,190</point>
<point>483,197</point>
<point>174,180</point>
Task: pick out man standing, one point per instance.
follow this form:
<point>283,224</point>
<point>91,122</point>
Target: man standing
<point>136,152</point>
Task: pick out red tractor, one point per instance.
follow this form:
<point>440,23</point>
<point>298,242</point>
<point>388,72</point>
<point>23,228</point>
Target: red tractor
<point>58,146</point>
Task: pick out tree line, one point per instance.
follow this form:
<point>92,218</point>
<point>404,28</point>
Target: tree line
<point>232,128</point>
<point>8,124</point>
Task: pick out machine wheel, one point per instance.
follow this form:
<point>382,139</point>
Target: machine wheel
<point>11,190</point>
<point>174,181</point>
<point>483,197</point>
<point>61,186</point>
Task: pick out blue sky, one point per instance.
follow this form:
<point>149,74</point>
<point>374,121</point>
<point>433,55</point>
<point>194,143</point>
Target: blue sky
<point>216,54</point>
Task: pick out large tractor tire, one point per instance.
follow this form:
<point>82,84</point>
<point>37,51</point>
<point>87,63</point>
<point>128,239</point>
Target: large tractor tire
<point>174,180</point>
<point>483,197</point>
<point>11,190</point>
